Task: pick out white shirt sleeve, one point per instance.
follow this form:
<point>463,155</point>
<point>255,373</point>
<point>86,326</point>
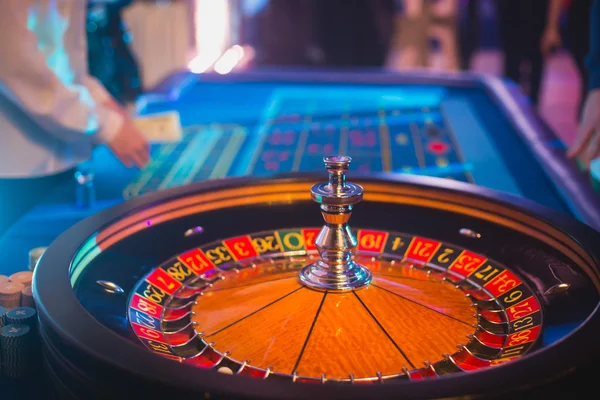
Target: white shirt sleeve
<point>64,109</point>
<point>97,90</point>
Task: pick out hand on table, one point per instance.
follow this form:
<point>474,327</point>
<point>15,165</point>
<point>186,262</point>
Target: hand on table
<point>130,146</point>
<point>587,141</point>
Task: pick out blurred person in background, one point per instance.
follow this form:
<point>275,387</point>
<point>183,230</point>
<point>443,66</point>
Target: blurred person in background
<point>468,31</point>
<point>283,33</point>
<point>332,33</point>
<point>577,35</point>
<point>110,58</point>
<point>586,146</point>
<point>522,24</point>
<point>52,112</point>
<point>354,33</point>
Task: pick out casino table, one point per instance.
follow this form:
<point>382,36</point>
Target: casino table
<point>476,130</point>
<point>408,135</point>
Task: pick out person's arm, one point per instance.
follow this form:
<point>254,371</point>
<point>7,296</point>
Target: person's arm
<point>551,36</point>
<point>102,96</point>
<point>97,90</point>
<point>587,141</point>
<point>66,110</point>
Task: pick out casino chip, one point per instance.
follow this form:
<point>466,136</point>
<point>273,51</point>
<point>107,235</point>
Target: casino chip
<point>10,294</point>
<point>19,350</point>
<point>2,316</point>
<point>27,297</point>
<point>22,315</point>
<point>3,279</point>
<point>24,277</point>
<point>34,256</point>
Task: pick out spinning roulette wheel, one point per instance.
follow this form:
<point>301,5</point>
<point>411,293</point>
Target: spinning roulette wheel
<point>237,289</point>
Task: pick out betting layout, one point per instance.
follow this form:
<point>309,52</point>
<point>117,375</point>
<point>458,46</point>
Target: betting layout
<point>379,129</point>
<point>237,306</point>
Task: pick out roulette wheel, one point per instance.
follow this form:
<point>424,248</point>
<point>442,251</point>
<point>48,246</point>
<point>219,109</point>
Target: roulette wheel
<point>299,286</point>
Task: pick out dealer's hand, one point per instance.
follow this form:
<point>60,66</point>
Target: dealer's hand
<point>130,146</point>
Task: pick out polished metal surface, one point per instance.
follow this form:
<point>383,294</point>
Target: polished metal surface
<point>110,287</point>
<point>470,233</point>
<point>196,230</point>
<point>336,271</point>
<point>556,289</point>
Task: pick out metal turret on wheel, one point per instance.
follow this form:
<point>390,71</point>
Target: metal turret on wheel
<point>336,270</point>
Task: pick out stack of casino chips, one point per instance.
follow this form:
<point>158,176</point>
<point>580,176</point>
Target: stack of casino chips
<point>19,350</point>
<point>27,297</point>
<point>22,316</point>
<point>10,294</point>
<point>15,290</point>
<point>2,316</point>
<point>34,256</point>
<point>19,343</point>
<point>19,340</point>
<point>23,277</point>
